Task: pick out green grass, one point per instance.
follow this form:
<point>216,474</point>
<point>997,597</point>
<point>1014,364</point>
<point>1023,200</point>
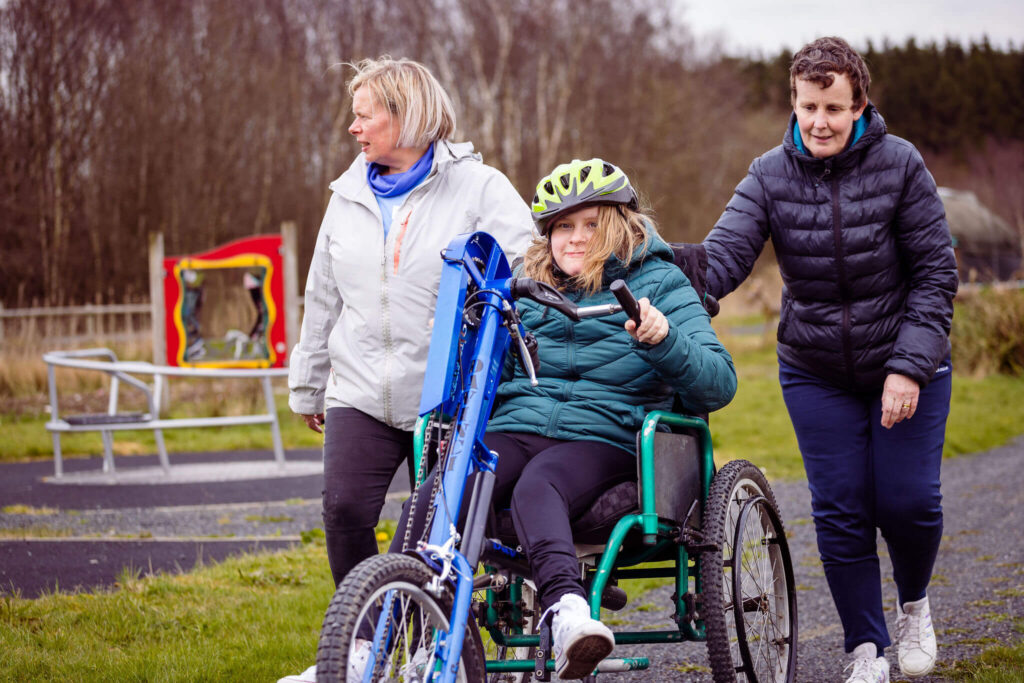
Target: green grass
<point>985,412</point>
<point>1000,664</point>
<point>254,617</point>
<point>247,619</point>
<point>25,437</point>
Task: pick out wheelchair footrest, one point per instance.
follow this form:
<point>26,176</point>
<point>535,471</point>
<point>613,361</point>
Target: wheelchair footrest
<point>623,664</point>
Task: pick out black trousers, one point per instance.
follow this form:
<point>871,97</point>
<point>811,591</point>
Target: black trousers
<point>361,456</point>
<point>547,482</point>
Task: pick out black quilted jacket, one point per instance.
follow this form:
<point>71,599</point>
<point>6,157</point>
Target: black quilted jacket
<point>865,254</point>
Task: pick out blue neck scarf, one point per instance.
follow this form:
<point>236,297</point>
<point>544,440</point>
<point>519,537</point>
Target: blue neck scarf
<point>395,184</point>
<point>859,126</point>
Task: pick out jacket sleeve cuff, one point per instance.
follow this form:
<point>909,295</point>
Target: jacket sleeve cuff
<point>306,402</point>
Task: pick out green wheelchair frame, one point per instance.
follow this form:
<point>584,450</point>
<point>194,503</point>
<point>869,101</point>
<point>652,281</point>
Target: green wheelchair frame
<point>703,608</point>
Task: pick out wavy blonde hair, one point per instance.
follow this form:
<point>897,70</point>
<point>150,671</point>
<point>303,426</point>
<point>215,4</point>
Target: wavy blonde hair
<point>416,100</point>
<point>620,231</point>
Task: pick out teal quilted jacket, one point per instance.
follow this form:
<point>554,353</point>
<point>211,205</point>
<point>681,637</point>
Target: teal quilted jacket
<point>596,382</point>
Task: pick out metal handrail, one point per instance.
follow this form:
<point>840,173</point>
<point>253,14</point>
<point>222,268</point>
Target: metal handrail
<point>123,371</point>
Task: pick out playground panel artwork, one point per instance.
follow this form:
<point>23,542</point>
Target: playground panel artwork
<point>223,308</point>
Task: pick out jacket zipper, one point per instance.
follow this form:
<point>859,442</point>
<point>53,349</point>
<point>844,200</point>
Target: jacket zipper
<point>837,234</point>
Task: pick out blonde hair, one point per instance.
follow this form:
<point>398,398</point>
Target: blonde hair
<point>620,231</point>
<point>414,97</point>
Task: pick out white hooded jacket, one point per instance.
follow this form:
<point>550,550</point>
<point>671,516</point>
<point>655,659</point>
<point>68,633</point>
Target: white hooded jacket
<point>369,301</point>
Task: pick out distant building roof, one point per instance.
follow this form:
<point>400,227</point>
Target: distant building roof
<point>973,225</point>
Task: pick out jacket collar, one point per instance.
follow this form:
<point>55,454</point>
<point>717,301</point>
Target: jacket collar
<point>656,247</point>
<point>352,184</point>
<point>875,131</point>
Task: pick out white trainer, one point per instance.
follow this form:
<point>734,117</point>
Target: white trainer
<point>307,676</point>
<point>414,669</point>
<point>916,634</point>
<point>580,642</point>
<point>358,657</point>
<point>868,667</point>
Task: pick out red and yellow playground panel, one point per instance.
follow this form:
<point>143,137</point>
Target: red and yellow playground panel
<point>223,308</point>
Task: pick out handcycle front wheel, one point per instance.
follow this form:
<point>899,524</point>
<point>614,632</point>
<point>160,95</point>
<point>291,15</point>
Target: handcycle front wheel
<point>749,597</point>
<point>392,585</point>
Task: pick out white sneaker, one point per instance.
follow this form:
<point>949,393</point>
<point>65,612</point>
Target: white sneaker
<point>868,667</point>
<point>414,669</point>
<point>358,657</point>
<point>580,642</point>
<point>917,638</point>
<point>307,676</point>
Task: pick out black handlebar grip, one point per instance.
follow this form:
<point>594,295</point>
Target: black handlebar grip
<point>626,299</point>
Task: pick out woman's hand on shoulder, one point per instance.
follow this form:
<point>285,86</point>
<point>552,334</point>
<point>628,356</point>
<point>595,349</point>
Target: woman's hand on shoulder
<point>899,399</point>
<point>653,324</point>
<point>314,422</point>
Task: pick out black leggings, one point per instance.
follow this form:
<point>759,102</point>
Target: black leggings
<point>361,456</point>
<point>548,482</point>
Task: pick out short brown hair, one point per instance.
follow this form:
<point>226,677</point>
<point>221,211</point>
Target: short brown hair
<point>620,231</point>
<point>818,60</point>
<point>418,103</point>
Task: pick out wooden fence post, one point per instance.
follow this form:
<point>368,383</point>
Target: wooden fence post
<point>156,297</point>
<point>289,244</point>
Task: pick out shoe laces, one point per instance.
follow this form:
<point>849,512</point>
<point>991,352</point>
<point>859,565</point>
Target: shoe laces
<point>864,669</point>
<point>909,626</point>
<point>557,609</point>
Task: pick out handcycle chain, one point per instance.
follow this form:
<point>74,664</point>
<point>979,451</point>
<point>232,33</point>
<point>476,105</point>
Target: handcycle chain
<point>442,464</point>
<point>443,434</point>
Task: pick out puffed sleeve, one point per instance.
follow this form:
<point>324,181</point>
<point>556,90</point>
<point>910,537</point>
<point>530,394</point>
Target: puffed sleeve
<point>690,357</point>
<point>738,237</point>
<point>926,247</point>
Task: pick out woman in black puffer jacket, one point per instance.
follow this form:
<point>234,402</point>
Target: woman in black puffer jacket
<point>863,342</point>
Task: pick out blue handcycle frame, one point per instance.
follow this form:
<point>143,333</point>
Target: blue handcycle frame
<point>474,262</point>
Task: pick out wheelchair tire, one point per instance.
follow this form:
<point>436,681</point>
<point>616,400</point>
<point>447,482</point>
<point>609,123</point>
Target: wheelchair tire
<point>502,652</point>
<point>354,609</point>
<point>748,598</point>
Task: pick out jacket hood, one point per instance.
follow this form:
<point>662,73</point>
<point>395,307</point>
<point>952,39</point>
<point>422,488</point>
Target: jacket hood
<point>352,183</point>
<point>655,248</point>
<point>874,132</point>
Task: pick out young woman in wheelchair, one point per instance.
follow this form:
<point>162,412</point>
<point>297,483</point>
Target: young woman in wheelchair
<point>570,438</point>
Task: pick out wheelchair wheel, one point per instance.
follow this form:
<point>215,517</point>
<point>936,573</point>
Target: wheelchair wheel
<point>394,585</point>
<point>748,593</point>
<point>514,620</point>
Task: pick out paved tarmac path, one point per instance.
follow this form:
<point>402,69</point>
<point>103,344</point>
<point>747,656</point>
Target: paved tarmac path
<point>977,594</point>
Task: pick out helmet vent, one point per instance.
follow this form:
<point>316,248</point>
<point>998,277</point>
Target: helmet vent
<point>584,173</point>
<point>536,199</point>
<point>549,188</point>
<point>564,180</point>
<point>609,169</point>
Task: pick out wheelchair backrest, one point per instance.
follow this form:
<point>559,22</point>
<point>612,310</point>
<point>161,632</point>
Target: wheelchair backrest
<point>677,473</point>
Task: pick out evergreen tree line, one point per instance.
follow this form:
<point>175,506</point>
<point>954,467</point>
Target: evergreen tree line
<point>943,98</point>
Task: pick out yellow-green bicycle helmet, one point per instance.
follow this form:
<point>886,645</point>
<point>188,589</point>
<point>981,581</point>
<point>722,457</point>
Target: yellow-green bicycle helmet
<point>577,183</point>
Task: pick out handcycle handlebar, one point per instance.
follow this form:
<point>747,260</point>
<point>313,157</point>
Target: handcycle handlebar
<point>626,299</point>
<point>546,295</point>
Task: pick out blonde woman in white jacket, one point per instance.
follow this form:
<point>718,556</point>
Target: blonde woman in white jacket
<point>372,287</point>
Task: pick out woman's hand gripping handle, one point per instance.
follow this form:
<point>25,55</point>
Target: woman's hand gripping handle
<point>646,323</point>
